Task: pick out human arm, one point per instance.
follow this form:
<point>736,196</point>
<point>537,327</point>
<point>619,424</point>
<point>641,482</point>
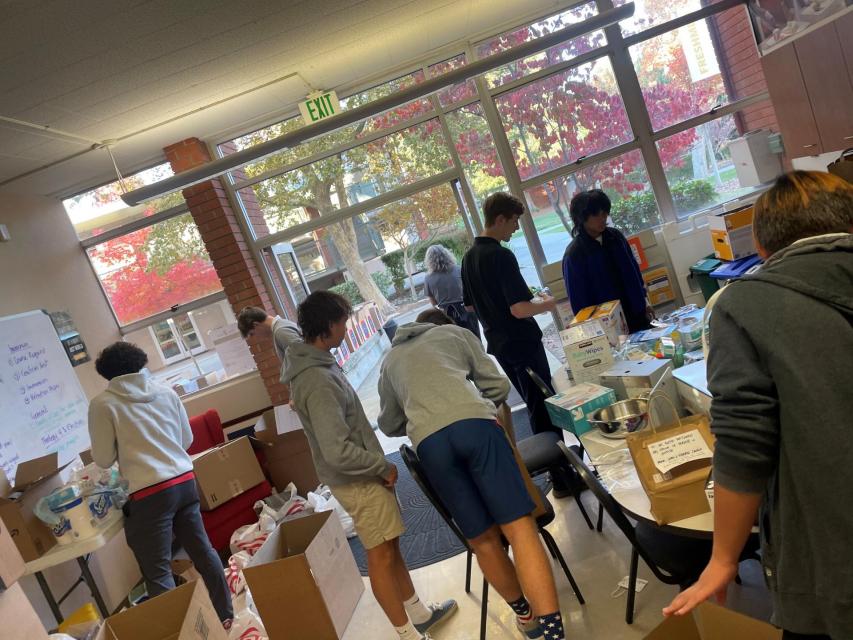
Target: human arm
<point>734,515</point>
<point>529,308</point>
<point>324,406</point>
<point>492,384</point>
<point>184,421</point>
<point>467,299</point>
<point>102,435</point>
<point>392,419</point>
<point>745,421</point>
<point>515,291</point>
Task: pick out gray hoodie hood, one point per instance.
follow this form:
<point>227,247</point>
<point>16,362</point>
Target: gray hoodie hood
<point>410,331</point>
<point>820,267</point>
<point>135,387</point>
<point>302,356</point>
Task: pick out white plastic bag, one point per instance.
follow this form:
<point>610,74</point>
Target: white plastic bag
<point>323,500</point>
<point>249,538</point>
<point>247,625</point>
<point>234,571</point>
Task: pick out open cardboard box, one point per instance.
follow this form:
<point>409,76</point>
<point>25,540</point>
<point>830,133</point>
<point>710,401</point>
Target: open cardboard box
<point>11,562</point>
<point>288,455</point>
<point>225,472</point>
<point>712,622</point>
<point>19,619</point>
<point>304,579</point>
<point>34,479</point>
<point>184,613</point>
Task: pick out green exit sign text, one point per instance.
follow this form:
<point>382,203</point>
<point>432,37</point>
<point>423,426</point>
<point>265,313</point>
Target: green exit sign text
<point>319,106</point>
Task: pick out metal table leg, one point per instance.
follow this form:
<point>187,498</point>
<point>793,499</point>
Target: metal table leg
<point>51,601</point>
<point>93,587</point>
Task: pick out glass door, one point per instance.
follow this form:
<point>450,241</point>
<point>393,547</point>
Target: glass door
<point>177,338</point>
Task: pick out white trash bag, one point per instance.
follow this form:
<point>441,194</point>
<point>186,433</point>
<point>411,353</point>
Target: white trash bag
<point>323,500</point>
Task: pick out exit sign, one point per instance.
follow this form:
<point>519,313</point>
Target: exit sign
<point>319,106</point>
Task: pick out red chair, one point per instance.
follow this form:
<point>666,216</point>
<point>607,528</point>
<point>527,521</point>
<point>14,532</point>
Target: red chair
<point>221,522</point>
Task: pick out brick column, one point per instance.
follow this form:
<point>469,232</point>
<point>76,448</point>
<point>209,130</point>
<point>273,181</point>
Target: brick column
<point>229,252</point>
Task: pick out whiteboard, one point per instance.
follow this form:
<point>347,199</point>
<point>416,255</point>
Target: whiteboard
<point>42,405</point>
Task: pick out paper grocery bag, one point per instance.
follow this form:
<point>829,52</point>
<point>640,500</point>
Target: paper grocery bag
<point>672,463</point>
<point>505,420</point>
<point>843,167</point>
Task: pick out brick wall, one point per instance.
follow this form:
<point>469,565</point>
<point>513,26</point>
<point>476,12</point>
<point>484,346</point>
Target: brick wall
<point>741,67</point>
<point>230,254</point>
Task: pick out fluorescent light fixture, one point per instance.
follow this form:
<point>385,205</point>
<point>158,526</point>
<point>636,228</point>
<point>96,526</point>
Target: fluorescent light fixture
<point>219,166</point>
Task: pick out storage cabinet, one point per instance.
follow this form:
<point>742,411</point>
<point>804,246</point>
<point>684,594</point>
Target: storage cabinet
<point>810,82</point>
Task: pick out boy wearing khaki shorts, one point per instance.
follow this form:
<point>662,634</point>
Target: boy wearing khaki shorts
<point>349,459</point>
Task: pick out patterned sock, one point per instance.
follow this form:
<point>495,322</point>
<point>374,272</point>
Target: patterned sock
<point>552,626</point>
<point>521,607</point>
<point>408,632</point>
<point>416,610</point>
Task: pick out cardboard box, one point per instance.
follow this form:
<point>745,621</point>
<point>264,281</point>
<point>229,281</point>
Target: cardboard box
<point>587,350</point>
<point>658,286</point>
<point>184,613</point>
<point>86,457</point>
<point>304,579</point>
<point>712,622</point>
<point>15,606</point>
<point>569,410</point>
<point>675,492</point>
<point>611,317</point>
<point>11,562</point>
<point>225,472</point>
<point>565,313</point>
<point>34,479</point>
<point>288,456</point>
<point>731,234</point>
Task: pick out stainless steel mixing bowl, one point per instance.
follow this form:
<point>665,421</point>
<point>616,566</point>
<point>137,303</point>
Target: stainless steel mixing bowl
<point>621,418</point>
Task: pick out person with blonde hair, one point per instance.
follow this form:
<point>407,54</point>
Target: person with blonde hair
<point>443,287</point>
<point>779,371</point>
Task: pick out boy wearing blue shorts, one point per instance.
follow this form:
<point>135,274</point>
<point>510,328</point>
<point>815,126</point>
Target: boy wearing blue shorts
<point>426,392</point>
<point>349,459</point>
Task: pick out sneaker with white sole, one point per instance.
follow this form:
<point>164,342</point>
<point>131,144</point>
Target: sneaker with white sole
<point>440,613</point>
<point>531,630</point>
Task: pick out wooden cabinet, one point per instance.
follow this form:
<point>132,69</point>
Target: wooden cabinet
<point>828,83</point>
<point>810,82</point>
<point>791,103</point>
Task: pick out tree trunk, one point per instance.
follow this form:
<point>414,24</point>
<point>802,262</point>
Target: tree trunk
<point>407,265</point>
<point>343,235</point>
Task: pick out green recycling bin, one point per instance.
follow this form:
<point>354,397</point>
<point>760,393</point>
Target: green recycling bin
<point>701,273</point>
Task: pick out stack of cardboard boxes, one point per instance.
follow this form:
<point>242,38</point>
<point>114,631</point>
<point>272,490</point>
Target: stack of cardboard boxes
<point>225,472</point>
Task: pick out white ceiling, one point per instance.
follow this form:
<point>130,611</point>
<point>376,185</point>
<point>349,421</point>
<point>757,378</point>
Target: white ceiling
<point>148,73</point>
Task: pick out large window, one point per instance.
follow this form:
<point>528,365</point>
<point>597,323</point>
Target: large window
<point>563,117</point>
<point>146,272</point>
<point>101,210</point>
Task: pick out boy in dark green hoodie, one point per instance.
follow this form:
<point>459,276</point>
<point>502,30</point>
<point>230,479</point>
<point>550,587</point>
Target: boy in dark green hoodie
<point>350,460</point>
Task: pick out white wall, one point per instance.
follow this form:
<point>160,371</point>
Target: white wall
<point>44,267</point>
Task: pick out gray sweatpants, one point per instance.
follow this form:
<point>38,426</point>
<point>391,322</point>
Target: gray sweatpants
<point>149,525</point>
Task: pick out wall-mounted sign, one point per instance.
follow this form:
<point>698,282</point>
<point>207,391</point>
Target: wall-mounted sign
<point>319,106</point>
<point>70,338</point>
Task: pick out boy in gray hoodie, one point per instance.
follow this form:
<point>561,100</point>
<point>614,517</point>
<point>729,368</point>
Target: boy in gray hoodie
<point>349,459</point>
<point>440,388</point>
<point>779,371</point>
<point>144,426</point>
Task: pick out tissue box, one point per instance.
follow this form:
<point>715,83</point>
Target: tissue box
<point>569,410</point>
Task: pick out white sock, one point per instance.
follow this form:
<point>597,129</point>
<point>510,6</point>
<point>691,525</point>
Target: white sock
<point>418,613</point>
<point>408,632</point>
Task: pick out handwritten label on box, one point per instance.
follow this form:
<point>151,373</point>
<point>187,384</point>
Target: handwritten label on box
<point>673,452</point>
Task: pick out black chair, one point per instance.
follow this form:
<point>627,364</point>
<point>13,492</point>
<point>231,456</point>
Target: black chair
<point>540,454</point>
<point>413,464</point>
<point>673,559</point>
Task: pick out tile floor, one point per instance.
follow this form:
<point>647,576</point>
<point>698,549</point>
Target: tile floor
<point>597,560</point>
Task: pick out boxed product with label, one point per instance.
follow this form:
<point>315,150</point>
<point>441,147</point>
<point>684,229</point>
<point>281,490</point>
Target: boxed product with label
<point>731,234</point>
<point>712,622</point>
<point>184,613</point>
<point>226,472</point>
<point>587,350</point>
<point>34,479</point>
<point>287,453</point>
<point>304,580</point>
<point>569,410</point>
<point>611,317</point>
